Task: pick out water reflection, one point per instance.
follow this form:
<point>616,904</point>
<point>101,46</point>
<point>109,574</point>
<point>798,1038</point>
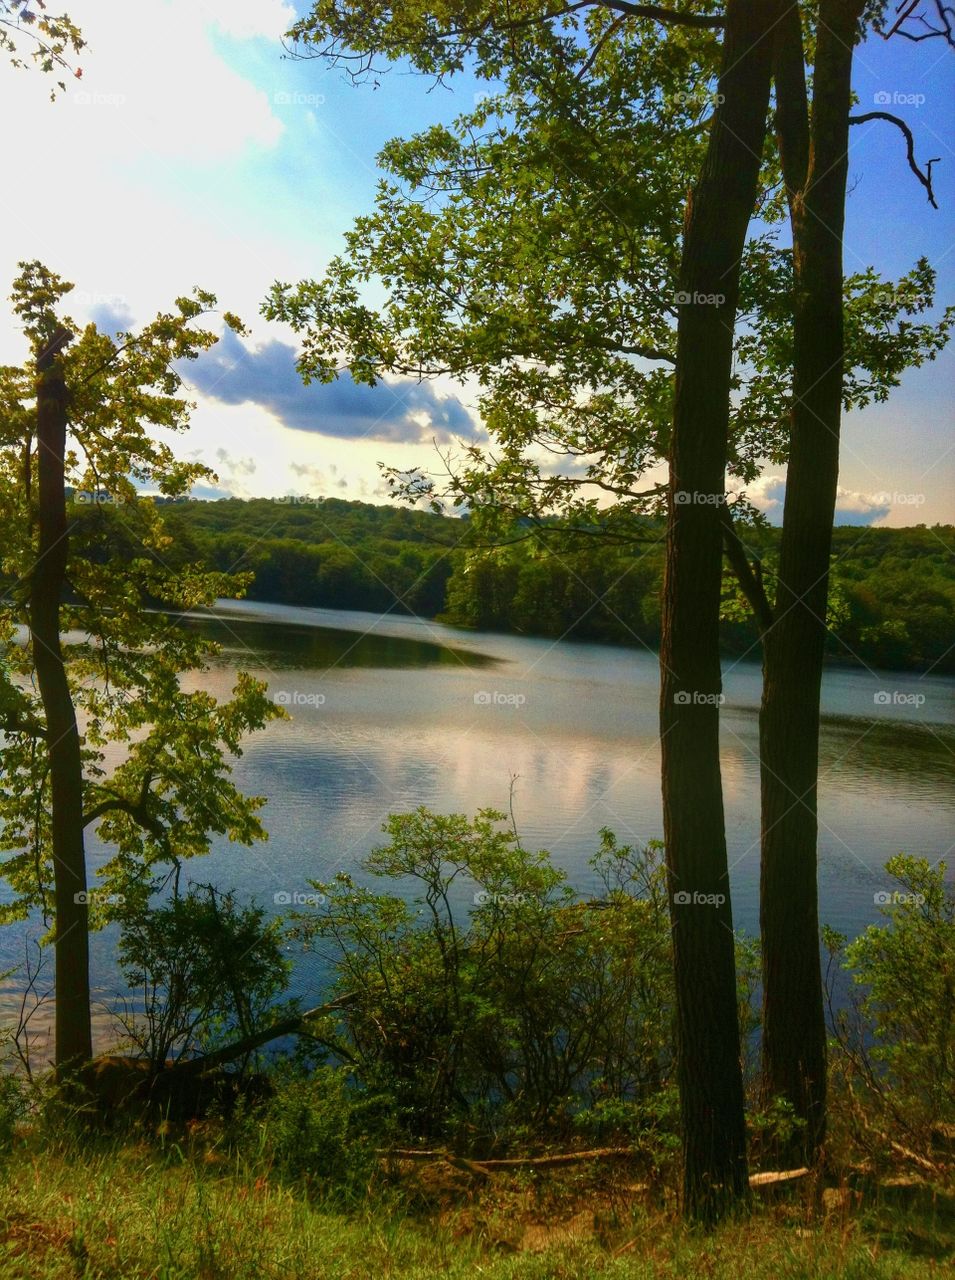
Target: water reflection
<point>391,713</point>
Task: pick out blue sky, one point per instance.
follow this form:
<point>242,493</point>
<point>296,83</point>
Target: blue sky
<point>192,153</point>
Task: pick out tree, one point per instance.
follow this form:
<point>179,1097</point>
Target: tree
<point>709,1067</point>
<point>813,148</point>
<point>534,247</point>
<point>717,218</point>
<point>112,737</point>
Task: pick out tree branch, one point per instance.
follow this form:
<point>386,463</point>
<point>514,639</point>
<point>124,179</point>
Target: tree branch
<point>926,177</point>
<point>17,722</point>
<point>655,12</point>
<point>750,584</point>
<point>670,17</point>
<point>946,15</point>
<point>295,1025</point>
<point>136,810</point>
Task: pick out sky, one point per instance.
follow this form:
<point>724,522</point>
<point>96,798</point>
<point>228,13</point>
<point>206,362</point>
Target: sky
<point>192,152</point>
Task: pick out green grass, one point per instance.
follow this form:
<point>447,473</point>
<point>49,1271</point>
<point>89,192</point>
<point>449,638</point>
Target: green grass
<point>134,1210</point>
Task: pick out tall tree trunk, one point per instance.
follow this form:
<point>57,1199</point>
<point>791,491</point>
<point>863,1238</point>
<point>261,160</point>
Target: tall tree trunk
<point>717,217</point>
<point>794,1035</point>
<point>72,1019</point>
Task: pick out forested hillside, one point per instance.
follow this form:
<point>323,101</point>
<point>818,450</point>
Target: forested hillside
<point>892,605</point>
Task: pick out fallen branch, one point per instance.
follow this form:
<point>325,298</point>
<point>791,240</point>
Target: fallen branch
<point>295,1025</point>
<point>871,1131</point>
<point>485,1167</point>
<point>776,1179</point>
<point>517,1162</point>
<point>928,1165</point>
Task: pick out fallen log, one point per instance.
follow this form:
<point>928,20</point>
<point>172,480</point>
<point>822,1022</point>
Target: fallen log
<point>776,1179</point>
<point>295,1025</point>
<point>559,1160</point>
<point>184,1087</point>
<point>517,1162</point>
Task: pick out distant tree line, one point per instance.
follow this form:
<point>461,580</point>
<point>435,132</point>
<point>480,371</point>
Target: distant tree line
<point>892,605</point>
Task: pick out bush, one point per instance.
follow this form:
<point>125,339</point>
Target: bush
<point>491,1002</point>
<point>13,1107</point>
<point>205,966</point>
<point>318,1130</point>
<point>897,1042</point>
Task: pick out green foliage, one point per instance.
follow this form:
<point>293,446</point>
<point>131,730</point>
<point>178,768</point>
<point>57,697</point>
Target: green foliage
<point>13,1107</point>
<point>532,248</point>
<point>204,965</point>
<point>892,595</point>
<point>773,1126</point>
<point>156,750</point>
<point>602,583</point>
<point>321,552</point>
<point>895,1061</point>
<point>319,1131</point>
<point>485,997</point>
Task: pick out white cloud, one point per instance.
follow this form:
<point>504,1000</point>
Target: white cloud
<point>100,172</point>
<point>254,455</point>
<point>768,494</point>
<point>154,84</point>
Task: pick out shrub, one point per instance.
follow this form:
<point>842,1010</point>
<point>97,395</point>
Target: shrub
<point>13,1107</point>
<point>489,1000</point>
<point>897,1042</point>
<point>205,965</point>
<point>318,1130</point>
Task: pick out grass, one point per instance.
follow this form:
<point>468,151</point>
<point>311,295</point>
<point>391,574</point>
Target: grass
<point>185,1211</point>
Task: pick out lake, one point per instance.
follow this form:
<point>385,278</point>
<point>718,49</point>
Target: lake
<point>391,712</point>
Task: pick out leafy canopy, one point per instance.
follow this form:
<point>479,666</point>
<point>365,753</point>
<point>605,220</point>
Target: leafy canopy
<point>157,746</point>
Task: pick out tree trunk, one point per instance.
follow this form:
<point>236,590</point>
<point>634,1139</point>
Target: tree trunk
<point>794,1034</point>
<point>72,1019</point>
<point>717,217</point>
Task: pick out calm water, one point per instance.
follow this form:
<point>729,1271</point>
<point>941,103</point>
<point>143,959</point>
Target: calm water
<point>390,713</point>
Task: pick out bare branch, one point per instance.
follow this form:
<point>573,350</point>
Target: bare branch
<point>946,32</point>
<point>926,177</point>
